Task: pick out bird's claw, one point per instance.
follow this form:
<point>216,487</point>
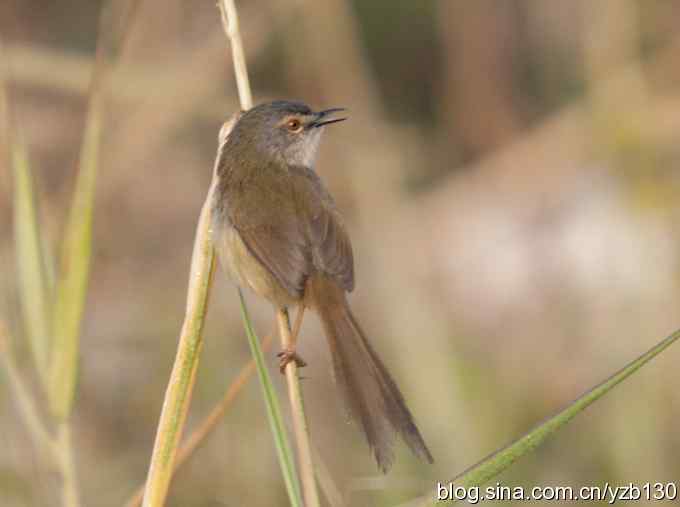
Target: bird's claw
<point>288,355</point>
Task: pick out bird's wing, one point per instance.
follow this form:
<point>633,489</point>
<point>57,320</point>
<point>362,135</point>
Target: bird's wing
<point>331,248</point>
<point>299,231</point>
<point>265,217</point>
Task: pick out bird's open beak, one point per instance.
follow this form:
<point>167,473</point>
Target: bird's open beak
<point>320,122</point>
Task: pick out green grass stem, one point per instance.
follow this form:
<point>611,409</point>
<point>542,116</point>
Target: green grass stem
<point>501,460</point>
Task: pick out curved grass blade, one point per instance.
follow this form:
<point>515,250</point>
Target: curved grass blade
<point>74,271</point>
<point>503,459</point>
<point>31,267</point>
<point>76,248</point>
<point>31,263</point>
<point>283,448</point>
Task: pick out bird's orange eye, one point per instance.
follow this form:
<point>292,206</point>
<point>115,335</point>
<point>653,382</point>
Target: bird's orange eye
<point>294,125</point>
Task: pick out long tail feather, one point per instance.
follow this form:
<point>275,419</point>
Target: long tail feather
<point>371,395</point>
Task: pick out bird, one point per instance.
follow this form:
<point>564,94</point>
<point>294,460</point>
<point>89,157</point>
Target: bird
<point>278,232</point>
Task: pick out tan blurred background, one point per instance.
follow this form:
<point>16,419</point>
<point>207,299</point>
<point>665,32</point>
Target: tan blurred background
<point>510,175</point>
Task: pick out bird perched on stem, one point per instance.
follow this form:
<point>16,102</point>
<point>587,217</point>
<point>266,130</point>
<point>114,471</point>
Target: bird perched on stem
<point>278,232</point>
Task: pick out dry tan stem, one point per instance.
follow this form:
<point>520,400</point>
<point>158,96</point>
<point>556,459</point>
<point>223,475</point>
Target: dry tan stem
<point>297,411</point>
<point>231,28</point>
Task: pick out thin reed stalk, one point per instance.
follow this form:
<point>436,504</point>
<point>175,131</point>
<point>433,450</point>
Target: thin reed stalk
<point>183,376</point>
<point>271,402</point>
<point>231,27</point>
<point>230,24</point>
<point>70,495</point>
<point>297,411</point>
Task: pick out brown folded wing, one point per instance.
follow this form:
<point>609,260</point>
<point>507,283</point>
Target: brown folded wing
<point>298,234</point>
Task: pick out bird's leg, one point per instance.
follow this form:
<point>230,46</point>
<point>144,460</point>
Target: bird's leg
<point>298,324</point>
<point>289,354</point>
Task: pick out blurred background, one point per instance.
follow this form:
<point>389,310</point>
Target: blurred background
<point>510,177</point>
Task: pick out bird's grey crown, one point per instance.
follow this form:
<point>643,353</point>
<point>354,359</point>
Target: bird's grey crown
<point>283,107</point>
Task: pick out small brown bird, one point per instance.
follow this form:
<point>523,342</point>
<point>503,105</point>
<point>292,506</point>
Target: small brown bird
<point>277,231</point>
